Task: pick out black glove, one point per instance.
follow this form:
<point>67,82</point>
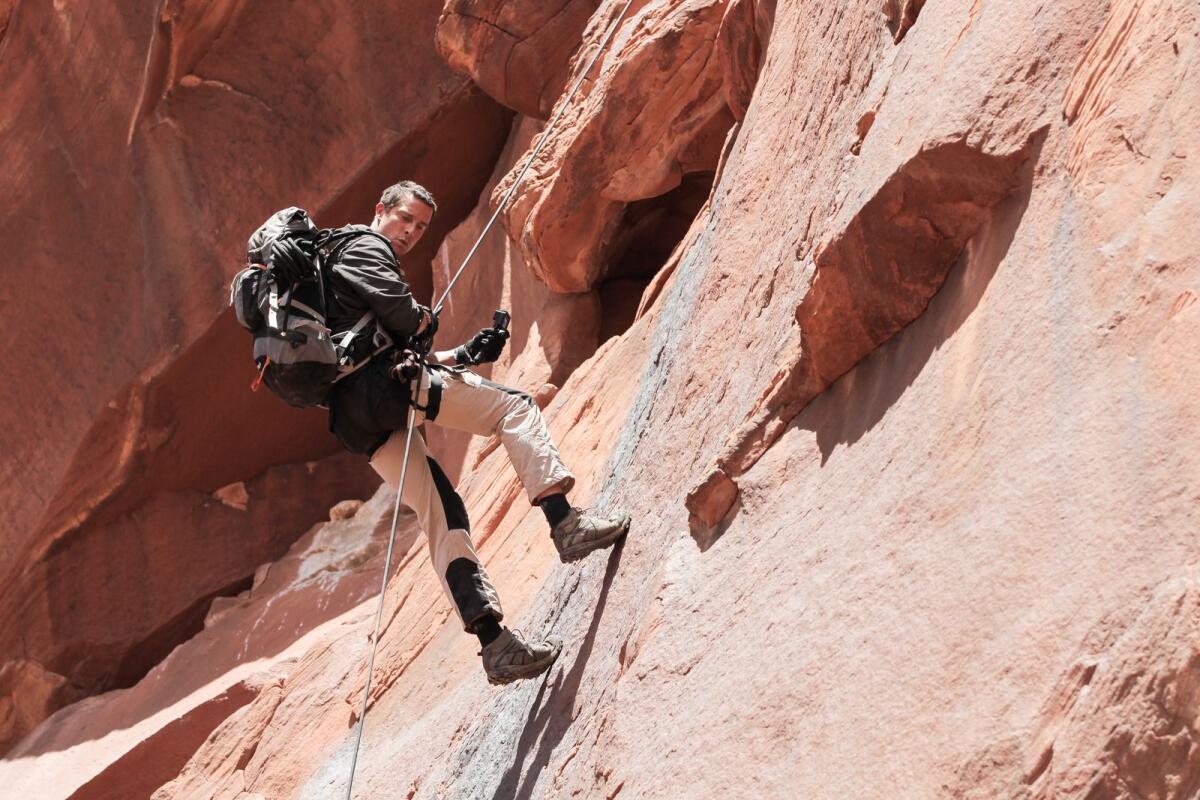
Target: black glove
<point>293,259</point>
<point>484,347</point>
<point>431,328</point>
<point>422,340</point>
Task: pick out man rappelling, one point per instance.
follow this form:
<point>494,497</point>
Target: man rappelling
<point>344,293</point>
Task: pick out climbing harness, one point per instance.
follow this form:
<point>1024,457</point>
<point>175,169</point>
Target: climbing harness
<point>412,409</point>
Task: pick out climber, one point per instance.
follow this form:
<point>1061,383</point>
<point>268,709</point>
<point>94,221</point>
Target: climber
<point>368,410</point>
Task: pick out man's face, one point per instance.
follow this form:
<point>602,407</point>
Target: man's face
<point>404,223</point>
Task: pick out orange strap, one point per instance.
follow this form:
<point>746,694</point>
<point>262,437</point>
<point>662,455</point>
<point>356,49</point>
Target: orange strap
<point>258,381</point>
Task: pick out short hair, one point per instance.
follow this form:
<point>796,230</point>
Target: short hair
<point>397,192</point>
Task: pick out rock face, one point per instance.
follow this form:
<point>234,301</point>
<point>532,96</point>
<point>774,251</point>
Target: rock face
<point>1121,723</point>
<point>879,318</point>
<point>518,53</point>
<point>653,114</point>
<point>144,146</point>
<point>126,743</point>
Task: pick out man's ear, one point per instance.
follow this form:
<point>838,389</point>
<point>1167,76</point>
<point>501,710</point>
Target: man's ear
<point>379,209</point>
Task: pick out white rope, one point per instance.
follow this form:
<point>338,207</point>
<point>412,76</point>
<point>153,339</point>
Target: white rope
<point>387,563</point>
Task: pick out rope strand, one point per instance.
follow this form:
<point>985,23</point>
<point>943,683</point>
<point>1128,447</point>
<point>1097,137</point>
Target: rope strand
<point>387,563</point>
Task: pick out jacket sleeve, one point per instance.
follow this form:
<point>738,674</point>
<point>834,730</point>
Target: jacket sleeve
<point>368,267</point>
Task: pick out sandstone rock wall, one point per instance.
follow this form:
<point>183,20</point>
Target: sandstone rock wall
<point>518,53</point>
<point>902,412</point>
<point>144,145</point>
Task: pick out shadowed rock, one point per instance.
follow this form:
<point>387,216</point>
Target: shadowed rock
<point>654,112</point>
<point>173,130</point>
<point>901,15</point>
<point>867,283</point>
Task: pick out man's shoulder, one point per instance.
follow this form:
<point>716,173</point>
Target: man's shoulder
<point>365,246</point>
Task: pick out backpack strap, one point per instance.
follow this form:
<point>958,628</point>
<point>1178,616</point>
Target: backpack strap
<point>343,340</point>
<point>333,243</point>
<point>338,240</point>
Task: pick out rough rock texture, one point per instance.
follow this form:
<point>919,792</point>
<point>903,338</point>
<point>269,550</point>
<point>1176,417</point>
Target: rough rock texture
<point>653,113</point>
<point>903,419</point>
<point>1121,723</point>
<point>143,145</point>
<point>518,53</point>
<point>124,744</point>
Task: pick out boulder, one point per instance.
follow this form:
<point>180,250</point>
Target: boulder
<point>652,112</point>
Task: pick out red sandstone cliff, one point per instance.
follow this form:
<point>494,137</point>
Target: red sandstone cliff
<point>879,317</point>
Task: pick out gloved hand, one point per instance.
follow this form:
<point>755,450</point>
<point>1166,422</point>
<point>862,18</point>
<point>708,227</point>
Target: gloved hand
<point>484,347</point>
<point>429,322</point>
<point>422,340</point>
<point>293,259</point>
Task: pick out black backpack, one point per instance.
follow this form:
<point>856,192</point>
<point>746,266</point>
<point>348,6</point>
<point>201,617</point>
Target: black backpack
<point>284,307</point>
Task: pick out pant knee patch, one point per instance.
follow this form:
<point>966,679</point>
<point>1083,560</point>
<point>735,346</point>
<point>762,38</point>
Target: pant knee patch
<point>452,504</point>
<point>473,592</point>
<point>528,398</point>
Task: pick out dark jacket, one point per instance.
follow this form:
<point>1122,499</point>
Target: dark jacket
<point>367,277</point>
<point>367,406</point>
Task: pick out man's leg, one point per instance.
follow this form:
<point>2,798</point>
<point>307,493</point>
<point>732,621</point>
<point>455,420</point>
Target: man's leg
<point>474,404</point>
<point>443,517</point>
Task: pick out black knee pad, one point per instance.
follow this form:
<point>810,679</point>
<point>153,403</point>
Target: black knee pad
<point>473,592</point>
<point>452,504</point>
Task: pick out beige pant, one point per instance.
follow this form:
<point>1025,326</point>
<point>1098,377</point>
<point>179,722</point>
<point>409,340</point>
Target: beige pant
<point>476,405</point>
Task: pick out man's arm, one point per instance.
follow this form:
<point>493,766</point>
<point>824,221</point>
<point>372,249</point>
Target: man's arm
<point>449,357</point>
<point>368,267</point>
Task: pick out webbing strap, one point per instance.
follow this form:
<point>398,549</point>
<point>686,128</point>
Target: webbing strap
<point>312,312</point>
<point>433,399</point>
<point>273,307</point>
<point>343,340</point>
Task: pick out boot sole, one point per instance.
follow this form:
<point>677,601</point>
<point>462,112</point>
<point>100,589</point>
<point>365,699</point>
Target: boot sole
<point>506,677</point>
<point>581,551</point>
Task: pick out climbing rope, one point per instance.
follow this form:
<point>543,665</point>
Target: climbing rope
<point>362,717</point>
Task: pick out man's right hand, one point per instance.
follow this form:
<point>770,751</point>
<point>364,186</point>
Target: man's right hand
<point>428,324</point>
<point>422,339</point>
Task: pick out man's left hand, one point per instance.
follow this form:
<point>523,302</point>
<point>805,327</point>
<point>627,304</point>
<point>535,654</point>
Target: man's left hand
<point>484,347</point>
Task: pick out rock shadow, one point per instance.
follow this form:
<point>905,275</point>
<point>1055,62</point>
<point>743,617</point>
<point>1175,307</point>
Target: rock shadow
<point>881,274</point>
<point>866,392</point>
<point>550,713</point>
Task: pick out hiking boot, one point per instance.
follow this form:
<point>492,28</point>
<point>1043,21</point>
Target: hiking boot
<point>510,658</point>
<point>579,533</point>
